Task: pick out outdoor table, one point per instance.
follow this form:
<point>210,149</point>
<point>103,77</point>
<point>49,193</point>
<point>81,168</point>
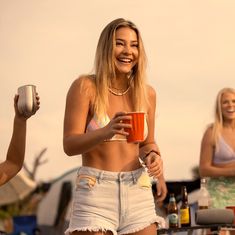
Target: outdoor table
<point>215,229</point>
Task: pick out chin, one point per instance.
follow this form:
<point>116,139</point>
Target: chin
<point>124,71</point>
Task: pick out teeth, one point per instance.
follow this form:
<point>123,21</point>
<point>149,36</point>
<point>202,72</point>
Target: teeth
<point>125,60</point>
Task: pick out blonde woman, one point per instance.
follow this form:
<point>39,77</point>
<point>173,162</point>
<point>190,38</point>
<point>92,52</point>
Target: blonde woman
<point>16,150</point>
<point>217,160</point>
<point>113,191</point>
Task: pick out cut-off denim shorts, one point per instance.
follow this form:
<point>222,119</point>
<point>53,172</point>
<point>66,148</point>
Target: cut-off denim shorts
<point>120,202</point>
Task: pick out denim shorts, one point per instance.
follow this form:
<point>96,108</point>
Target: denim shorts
<point>120,202</point>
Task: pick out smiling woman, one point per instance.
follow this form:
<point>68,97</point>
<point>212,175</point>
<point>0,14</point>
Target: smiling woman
<point>113,190</point>
<point>217,160</point>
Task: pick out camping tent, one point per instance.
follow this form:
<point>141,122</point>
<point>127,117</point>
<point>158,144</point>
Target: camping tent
<point>57,199</point>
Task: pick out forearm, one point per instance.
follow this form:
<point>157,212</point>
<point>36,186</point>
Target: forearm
<point>217,171</point>
<point>146,148</point>
<point>16,151</point>
<point>82,143</point>
<point>8,170</point>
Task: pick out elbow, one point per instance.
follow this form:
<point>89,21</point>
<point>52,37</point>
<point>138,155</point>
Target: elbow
<point>66,147</point>
<point>68,151</point>
<point>15,171</point>
<point>203,172</point>
<point>8,171</point>
<point>72,146</point>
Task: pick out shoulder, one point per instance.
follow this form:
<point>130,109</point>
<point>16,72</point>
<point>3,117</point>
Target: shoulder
<point>208,130</point>
<point>207,136</point>
<point>84,84</point>
<point>151,92</point>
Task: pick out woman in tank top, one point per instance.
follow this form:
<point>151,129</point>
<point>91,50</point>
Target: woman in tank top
<point>217,157</point>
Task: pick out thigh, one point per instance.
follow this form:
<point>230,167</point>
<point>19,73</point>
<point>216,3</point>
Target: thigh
<point>150,230</point>
<point>93,209</point>
<point>91,233</point>
<point>138,207</point>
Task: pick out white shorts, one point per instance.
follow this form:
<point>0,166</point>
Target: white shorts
<point>120,202</point>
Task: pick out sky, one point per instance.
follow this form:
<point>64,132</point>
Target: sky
<point>190,47</point>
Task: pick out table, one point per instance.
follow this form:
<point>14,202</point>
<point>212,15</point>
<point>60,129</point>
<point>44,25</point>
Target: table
<point>215,228</point>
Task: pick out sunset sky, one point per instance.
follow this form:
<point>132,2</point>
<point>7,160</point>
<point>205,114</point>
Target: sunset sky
<point>190,47</point>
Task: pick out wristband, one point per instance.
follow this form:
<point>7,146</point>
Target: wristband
<point>152,151</point>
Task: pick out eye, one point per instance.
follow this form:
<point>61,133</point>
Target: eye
<point>135,45</point>
<point>119,43</point>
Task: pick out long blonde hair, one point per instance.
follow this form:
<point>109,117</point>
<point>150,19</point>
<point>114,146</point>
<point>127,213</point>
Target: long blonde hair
<point>105,68</point>
<point>218,116</point>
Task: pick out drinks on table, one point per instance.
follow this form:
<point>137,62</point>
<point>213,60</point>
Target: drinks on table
<point>185,215</point>
<point>204,196</point>
<point>172,212</point>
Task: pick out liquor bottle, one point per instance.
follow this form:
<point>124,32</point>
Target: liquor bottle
<point>185,215</point>
<point>204,196</point>
<point>172,212</point>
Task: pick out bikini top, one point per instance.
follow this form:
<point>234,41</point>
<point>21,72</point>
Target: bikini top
<point>95,124</point>
<point>224,152</point>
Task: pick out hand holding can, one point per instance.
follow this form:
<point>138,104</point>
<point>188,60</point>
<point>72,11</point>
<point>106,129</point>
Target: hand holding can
<point>27,101</point>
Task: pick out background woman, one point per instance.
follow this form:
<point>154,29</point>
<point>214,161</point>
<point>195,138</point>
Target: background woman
<point>217,160</point>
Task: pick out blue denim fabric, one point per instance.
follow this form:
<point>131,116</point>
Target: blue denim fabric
<point>121,202</point>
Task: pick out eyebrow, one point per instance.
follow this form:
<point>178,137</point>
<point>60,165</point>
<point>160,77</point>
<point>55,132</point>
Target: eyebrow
<point>123,40</point>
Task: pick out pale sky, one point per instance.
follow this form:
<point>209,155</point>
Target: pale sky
<point>190,47</point>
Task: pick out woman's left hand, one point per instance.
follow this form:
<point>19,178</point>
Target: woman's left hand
<point>161,189</point>
<point>154,165</point>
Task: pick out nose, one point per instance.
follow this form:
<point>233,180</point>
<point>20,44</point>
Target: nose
<point>127,49</point>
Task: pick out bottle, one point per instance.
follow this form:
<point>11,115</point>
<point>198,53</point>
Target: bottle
<point>204,196</point>
<point>172,212</point>
<point>185,215</point>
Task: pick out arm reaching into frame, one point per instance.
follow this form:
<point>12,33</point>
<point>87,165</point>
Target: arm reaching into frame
<point>16,150</point>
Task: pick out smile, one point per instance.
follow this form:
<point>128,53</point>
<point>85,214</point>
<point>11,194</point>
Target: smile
<point>125,60</point>
<point>230,111</point>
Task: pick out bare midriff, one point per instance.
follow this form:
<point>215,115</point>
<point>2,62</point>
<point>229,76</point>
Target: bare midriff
<point>113,156</point>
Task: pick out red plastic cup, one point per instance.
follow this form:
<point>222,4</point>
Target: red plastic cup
<point>232,208</point>
<point>136,133</point>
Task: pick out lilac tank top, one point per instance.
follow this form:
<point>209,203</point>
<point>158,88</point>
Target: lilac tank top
<point>224,153</point>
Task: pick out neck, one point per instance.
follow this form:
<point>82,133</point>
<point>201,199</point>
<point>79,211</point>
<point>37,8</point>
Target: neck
<point>120,87</point>
<point>229,124</point>
<point>121,82</point>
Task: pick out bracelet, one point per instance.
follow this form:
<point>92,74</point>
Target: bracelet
<point>152,151</point>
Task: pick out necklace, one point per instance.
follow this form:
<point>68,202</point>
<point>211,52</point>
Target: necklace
<point>123,92</point>
<point>119,93</point>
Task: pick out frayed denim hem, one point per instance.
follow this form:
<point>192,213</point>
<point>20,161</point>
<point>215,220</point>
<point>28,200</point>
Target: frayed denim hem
<point>89,229</point>
<point>159,221</point>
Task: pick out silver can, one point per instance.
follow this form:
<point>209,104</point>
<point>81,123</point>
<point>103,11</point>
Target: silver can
<point>27,102</point>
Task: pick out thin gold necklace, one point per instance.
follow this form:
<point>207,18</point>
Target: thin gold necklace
<point>121,93</point>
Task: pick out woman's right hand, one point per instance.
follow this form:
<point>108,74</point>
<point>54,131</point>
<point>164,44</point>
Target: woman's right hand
<point>20,115</point>
<point>117,125</point>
